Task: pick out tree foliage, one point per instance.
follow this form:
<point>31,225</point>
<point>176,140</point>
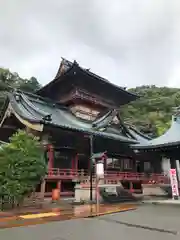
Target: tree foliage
<point>152,113</point>
<point>10,81</point>
<point>22,166</point>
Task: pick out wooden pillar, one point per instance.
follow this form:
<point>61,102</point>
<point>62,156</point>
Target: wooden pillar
<point>173,163</point>
<point>131,187</point>
<point>160,165</point>
<point>89,165</point>
<point>73,163</point>
<point>105,163</point>
<point>50,156</point>
<point>43,188</point>
<point>76,162</point>
<point>59,186</point>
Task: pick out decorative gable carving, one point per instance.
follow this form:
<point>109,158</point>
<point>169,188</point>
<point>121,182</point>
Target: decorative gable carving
<point>116,120</point>
<point>84,112</point>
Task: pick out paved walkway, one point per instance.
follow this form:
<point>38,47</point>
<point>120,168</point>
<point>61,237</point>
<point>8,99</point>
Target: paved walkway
<point>146,223</point>
<point>60,214</point>
<point>164,201</point>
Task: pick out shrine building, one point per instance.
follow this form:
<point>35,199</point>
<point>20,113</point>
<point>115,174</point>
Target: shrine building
<point>77,115</point>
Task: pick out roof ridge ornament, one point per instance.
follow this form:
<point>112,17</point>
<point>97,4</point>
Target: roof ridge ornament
<point>47,118</point>
<point>75,63</point>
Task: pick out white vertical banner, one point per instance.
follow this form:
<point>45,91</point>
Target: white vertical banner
<point>174,182</point>
<point>100,170</point>
<point>99,175</point>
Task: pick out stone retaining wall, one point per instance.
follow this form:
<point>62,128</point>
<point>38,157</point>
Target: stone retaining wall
<point>153,190</point>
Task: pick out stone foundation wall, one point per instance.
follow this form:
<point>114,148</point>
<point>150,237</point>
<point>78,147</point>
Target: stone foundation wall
<point>82,193</point>
<point>153,190</point>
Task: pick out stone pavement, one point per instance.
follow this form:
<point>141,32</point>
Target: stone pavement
<point>146,223</point>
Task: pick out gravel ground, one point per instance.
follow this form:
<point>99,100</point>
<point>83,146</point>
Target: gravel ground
<point>145,223</point>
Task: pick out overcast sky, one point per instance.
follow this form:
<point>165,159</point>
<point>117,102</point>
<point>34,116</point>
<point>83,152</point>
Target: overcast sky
<point>130,42</point>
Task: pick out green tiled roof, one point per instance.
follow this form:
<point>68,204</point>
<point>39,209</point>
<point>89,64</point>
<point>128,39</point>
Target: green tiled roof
<point>35,108</point>
<point>139,136</point>
<point>170,138</point>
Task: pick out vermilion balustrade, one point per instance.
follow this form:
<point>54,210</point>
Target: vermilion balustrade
<point>66,173</point>
<point>73,174</point>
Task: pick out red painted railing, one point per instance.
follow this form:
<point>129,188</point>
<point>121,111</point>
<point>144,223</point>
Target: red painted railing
<point>111,175</point>
<point>66,173</point>
<point>136,176</point>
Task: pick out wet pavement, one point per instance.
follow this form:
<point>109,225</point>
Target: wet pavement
<point>163,201</point>
<point>145,223</point>
<point>60,214</point>
<point>162,219</point>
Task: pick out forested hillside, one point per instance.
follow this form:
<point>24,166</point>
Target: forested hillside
<point>153,111</point>
<point>150,114</point>
<point>10,81</point>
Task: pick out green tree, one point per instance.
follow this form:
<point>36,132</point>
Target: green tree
<point>30,85</point>
<point>22,166</point>
<point>10,81</point>
<point>152,112</point>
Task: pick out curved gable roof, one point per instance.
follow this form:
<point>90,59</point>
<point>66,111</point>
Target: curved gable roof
<point>36,109</point>
<point>170,138</point>
<point>67,67</point>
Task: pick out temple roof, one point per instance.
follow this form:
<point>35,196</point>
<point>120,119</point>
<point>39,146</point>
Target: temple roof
<point>73,68</point>
<point>139,136</point>
<point>170,138</point>
<point>38,110</point>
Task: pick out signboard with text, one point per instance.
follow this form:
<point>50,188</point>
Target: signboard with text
<point>174,182</point>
